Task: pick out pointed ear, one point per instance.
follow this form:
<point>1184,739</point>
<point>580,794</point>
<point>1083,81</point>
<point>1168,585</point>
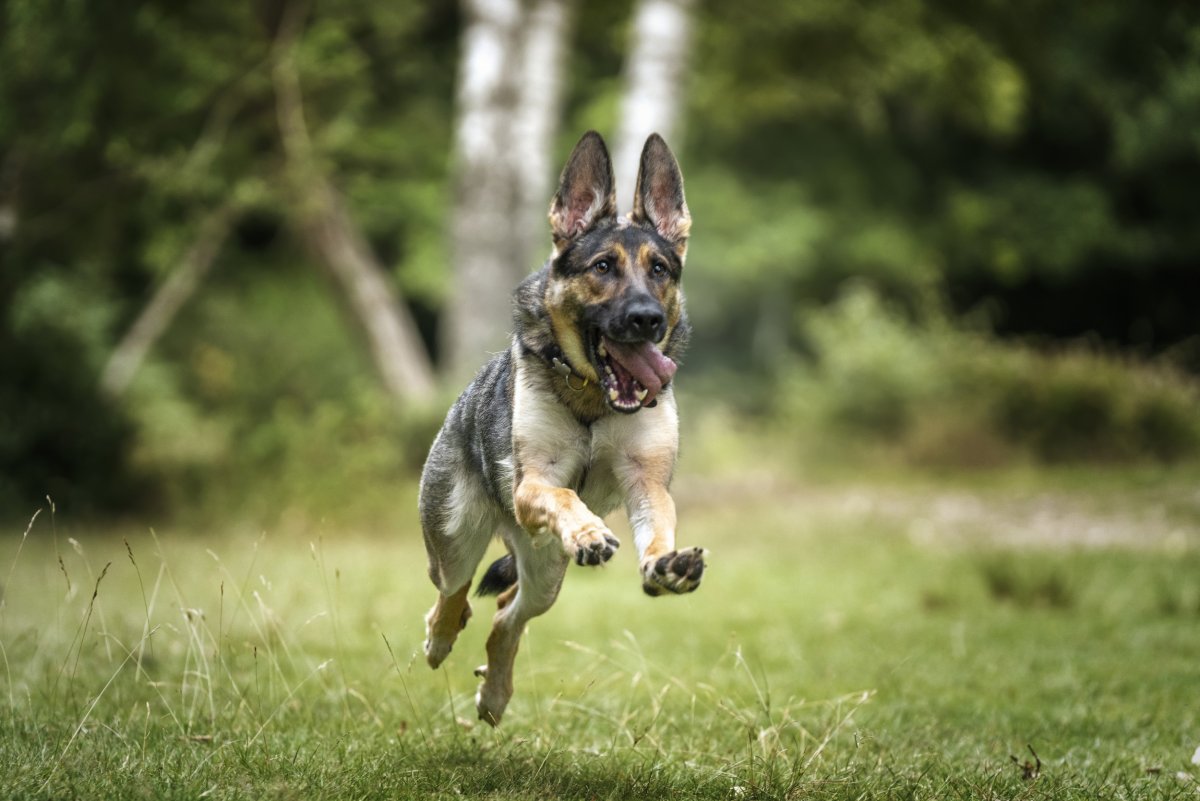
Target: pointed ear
<point>658,199</point>
<point>586,191</point>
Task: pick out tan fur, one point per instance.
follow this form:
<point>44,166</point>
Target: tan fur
<point>448,617</point>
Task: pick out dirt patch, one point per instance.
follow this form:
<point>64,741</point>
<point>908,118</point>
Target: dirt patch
<point>1159,519</point>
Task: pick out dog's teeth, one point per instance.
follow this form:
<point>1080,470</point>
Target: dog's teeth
<point>602,350</point>
<point>608,369</point>
<point>613,395</point>
<point>641,394</point>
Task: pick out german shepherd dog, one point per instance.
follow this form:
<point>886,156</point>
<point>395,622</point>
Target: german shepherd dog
<point>576,416</point>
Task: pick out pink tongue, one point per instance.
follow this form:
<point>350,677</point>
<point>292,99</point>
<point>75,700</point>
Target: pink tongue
<point>645,362</point>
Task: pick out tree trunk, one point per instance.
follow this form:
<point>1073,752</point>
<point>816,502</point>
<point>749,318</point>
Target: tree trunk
<point>477,315</point>
<point>508,108</point>
<point>131,351</point>
<point>654,76</point>
<point>535,125</point>
<point>325,224</point>
<point>392,337</point>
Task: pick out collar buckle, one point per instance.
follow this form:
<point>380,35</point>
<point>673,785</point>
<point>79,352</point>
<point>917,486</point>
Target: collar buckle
<point>563,369</point>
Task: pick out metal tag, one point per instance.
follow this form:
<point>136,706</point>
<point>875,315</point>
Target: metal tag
<point>561,367</point>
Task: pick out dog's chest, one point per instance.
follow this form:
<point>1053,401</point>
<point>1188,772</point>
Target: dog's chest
<point>590,459</point>
<point>597,486</point>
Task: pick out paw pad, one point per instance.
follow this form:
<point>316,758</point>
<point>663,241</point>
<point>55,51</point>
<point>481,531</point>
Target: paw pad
<point>675,572</point>
<point>597,551</point>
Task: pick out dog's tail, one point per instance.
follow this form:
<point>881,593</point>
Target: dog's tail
<point>499,576</point>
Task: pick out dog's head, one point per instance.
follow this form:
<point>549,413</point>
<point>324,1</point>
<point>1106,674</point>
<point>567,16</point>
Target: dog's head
<point>613,290</point>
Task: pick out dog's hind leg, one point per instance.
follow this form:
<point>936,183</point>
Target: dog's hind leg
<point>458,525</point>
<point>540,571</point>
<point>443,622</point>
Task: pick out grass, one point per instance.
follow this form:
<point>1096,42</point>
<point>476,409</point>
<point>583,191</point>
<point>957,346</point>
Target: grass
<point>842,646</point>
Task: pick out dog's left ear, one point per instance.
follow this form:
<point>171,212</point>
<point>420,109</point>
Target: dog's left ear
<point>586,191</point>
<point>658,199</point>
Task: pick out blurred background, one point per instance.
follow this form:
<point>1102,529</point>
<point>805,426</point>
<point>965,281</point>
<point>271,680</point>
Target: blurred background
<point>251,250</point>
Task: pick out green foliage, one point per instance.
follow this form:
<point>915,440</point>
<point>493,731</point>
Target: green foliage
<point>1030,224</point>
<point>1027,582</point>
<point>46,443</point>
<point>1080,405</point>
<point>950,395</point>
<point>120,129</point>
<point>972,149</point>
<point>59,437</point>
<point>958,157</point>
<point>262,404</point>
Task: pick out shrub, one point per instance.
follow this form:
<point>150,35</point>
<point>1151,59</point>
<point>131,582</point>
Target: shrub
<point>948,394</point>
<point>1028,583</point>
<point>60,437</point>
<point>263,405</point>
<point>1079,405</point>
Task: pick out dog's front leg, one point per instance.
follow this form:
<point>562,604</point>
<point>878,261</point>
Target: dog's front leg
<point>652,516</point>
<point>551,450</point>
<point>543,510</point>
<point>644,466</point>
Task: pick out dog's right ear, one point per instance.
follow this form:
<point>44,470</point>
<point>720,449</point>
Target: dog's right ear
<point>586,191</point>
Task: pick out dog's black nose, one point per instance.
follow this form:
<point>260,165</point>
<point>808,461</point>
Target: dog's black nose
<point>643,319</point>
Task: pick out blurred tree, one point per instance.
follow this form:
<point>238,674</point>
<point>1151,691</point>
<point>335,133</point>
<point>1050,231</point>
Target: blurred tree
<point>121,131</point>
<point>536,123</point>
<point>508,113</point>
<point>1034,161</point>
<point>652,98</point>
<point>323,220</point>
<point>1008,159</point>
<point>84,219</point>
<point>166,302</point>
<point>511,73</point>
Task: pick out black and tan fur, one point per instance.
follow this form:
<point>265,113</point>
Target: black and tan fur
<point>538,448</point>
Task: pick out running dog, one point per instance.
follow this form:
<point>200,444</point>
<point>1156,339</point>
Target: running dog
<point>576,417</point>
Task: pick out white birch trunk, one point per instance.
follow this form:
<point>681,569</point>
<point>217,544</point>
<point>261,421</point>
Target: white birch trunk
<point>510,81</point>
<point>535,125</point>
<point>477,319</point>
<point>654,85</point>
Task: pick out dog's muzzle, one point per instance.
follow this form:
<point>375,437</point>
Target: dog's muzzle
<point>641,319</point>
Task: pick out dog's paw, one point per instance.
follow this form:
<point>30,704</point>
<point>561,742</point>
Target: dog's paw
<point>492,697</point>
<point>676,572</point>
<point>436,651</point>
<point>591,543</point>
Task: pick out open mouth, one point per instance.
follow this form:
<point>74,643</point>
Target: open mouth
<point>631,373</point>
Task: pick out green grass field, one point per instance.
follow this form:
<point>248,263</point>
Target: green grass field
<point>894,637</point>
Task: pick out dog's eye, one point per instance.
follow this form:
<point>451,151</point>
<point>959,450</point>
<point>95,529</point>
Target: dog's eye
<point>601,267</point>
<point>658,269</point>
